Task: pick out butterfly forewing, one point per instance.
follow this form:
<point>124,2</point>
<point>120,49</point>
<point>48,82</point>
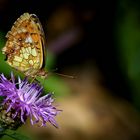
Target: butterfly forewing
<point>25,45</point>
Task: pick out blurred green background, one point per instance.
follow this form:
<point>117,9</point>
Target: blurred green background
<point>98,42</point>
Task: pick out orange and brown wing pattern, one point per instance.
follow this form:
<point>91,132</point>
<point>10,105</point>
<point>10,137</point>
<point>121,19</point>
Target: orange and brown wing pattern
<point>24,48</point>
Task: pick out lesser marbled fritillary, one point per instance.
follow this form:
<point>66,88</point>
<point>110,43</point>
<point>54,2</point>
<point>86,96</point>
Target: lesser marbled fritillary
<point>25,46</point>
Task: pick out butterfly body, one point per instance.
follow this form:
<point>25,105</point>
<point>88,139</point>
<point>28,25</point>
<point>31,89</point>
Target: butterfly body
<point>25,46</point>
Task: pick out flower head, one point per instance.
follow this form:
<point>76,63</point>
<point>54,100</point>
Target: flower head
<point>25,99</point>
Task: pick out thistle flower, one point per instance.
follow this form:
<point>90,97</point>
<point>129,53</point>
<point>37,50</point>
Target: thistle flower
<point>24,98</point>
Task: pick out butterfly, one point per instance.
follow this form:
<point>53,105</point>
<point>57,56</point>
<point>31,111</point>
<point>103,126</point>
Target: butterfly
<point>25,46</point>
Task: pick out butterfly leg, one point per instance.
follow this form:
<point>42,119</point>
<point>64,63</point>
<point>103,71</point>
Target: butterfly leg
<point>33,79</point>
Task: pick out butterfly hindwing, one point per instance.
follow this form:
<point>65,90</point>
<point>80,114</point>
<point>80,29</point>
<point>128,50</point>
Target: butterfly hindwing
<point>25,45</point>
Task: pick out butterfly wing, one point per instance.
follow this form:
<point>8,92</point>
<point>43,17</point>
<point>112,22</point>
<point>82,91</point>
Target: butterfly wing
<point>25,46</point>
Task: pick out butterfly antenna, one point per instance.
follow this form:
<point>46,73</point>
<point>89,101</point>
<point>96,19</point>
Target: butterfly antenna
<point>64,75</point>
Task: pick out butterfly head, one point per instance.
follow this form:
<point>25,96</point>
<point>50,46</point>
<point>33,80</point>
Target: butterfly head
<point>42,73</point>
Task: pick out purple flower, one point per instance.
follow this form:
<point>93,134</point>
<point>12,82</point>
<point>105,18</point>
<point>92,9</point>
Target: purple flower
<point>24,98</point>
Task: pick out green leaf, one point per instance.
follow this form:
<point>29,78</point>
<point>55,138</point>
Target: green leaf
<point>17,136</point>
<point>129,45</point>
<point>55,84</point>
